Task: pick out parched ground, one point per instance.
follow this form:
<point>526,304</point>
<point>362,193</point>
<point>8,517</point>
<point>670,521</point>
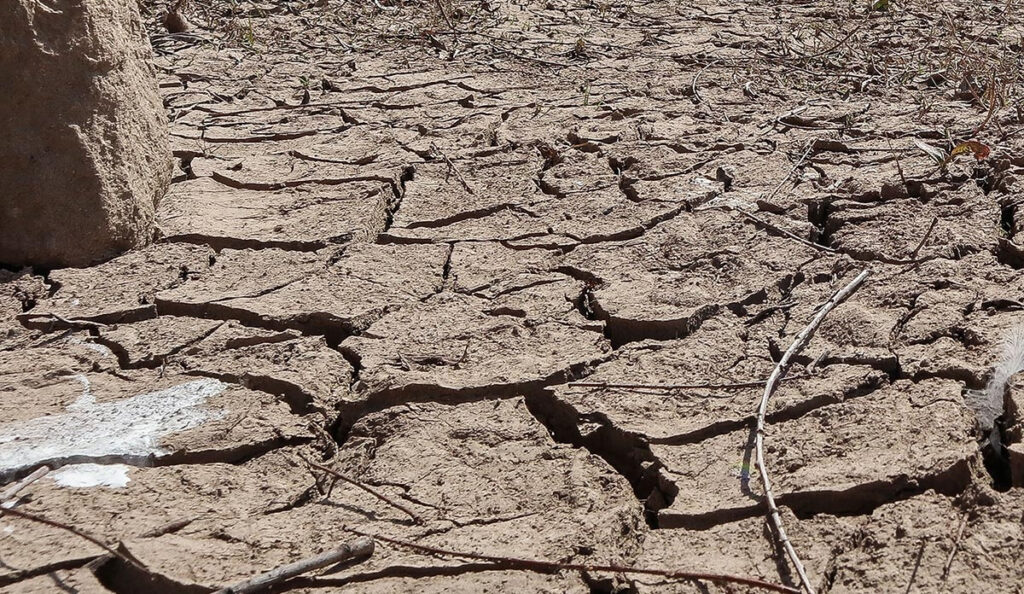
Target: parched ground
<point>447,247</point>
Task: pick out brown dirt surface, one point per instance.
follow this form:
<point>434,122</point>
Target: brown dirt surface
<point>522,268</point>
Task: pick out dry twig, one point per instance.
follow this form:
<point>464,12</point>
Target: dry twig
<point>733,386</point>
<point>452,168</point>
<point>796,166</point>
<point>28,480</point>
<point>780,370</point>
<point>927,234</point>
<point>444,13</point>
<point>68,323</point>
<point>360,548</point>
<point>782,231</point>
<point>696,77</point>
<point>76,532</point>
<point>829,50</point>
<point>356,483</point>
<point>956,545</point>
<point>549,566</point>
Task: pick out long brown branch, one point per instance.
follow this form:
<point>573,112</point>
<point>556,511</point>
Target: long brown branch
<point>780,370</point>
<point>732,386</point>
<point>65,527</point>
<point>360,548</point>
<point>549,566</point>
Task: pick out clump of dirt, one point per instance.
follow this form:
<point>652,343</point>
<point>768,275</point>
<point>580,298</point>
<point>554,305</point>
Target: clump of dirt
<point>85,149</point>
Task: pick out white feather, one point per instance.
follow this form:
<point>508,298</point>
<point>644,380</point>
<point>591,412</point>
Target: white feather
<point>988,404</point>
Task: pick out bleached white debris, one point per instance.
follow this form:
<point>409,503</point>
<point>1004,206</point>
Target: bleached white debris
<point>127,430</point>
<point>80,476</point>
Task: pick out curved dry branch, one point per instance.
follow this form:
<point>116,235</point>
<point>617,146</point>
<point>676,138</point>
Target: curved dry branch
<point>780,370</point>
<point>542,566</point>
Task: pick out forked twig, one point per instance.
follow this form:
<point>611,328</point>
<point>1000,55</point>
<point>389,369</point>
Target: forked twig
<point>956,546</point>
<point>356,483</point>
<point>548,566</point>
<point>780,370</point>
<point>359,548</point>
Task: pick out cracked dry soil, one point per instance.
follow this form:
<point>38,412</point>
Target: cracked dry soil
<point>447,262</point>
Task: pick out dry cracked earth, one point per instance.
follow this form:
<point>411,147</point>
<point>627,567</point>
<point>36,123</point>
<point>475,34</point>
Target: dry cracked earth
<point>523,267</point>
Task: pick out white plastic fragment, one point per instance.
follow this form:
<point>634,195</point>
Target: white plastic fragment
<point>127,430</point>
<point>79,476</point>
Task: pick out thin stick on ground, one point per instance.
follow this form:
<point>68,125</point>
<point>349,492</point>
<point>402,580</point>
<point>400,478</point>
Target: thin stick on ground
<point>28,480</point>
<point>796,166</point>
<point>780,370</point>
<point>696,77</point>
<point>956,546</point>
<point>161,530</point>
<point>360,548</point>
<point>782,231</point>
<point>927,234</point>
<point>733,386</point>
<point>55,524</point>
<point>452,168</point>
<point>541,566</point>
<point>829,50</point>
<point>356,483</point>
<point>68,323</point>
<point>444,14</point>
<point>899,167</point>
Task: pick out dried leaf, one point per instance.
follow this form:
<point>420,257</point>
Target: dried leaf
<point>938,155</point>
<point>971,146</point>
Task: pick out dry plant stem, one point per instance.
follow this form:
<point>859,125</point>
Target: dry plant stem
<point>360,548</point>
<point>549,566</point>
<point>781,367</point>
<point>453,168</point>
<point>167,528</point>
<point>72,323</point>
<point>693,86</point>
<point>831,49</point>
<point>356,483</point>
<point>734,386</point>
<point>913,262</point>
<point>991,106</point>
<point>927,234</point>
<point>76,532</point>
<point>444,14</point>
<point>956,545</point>
<point>28,480</point>
<point>796,166</point>
<point>788,234</point>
